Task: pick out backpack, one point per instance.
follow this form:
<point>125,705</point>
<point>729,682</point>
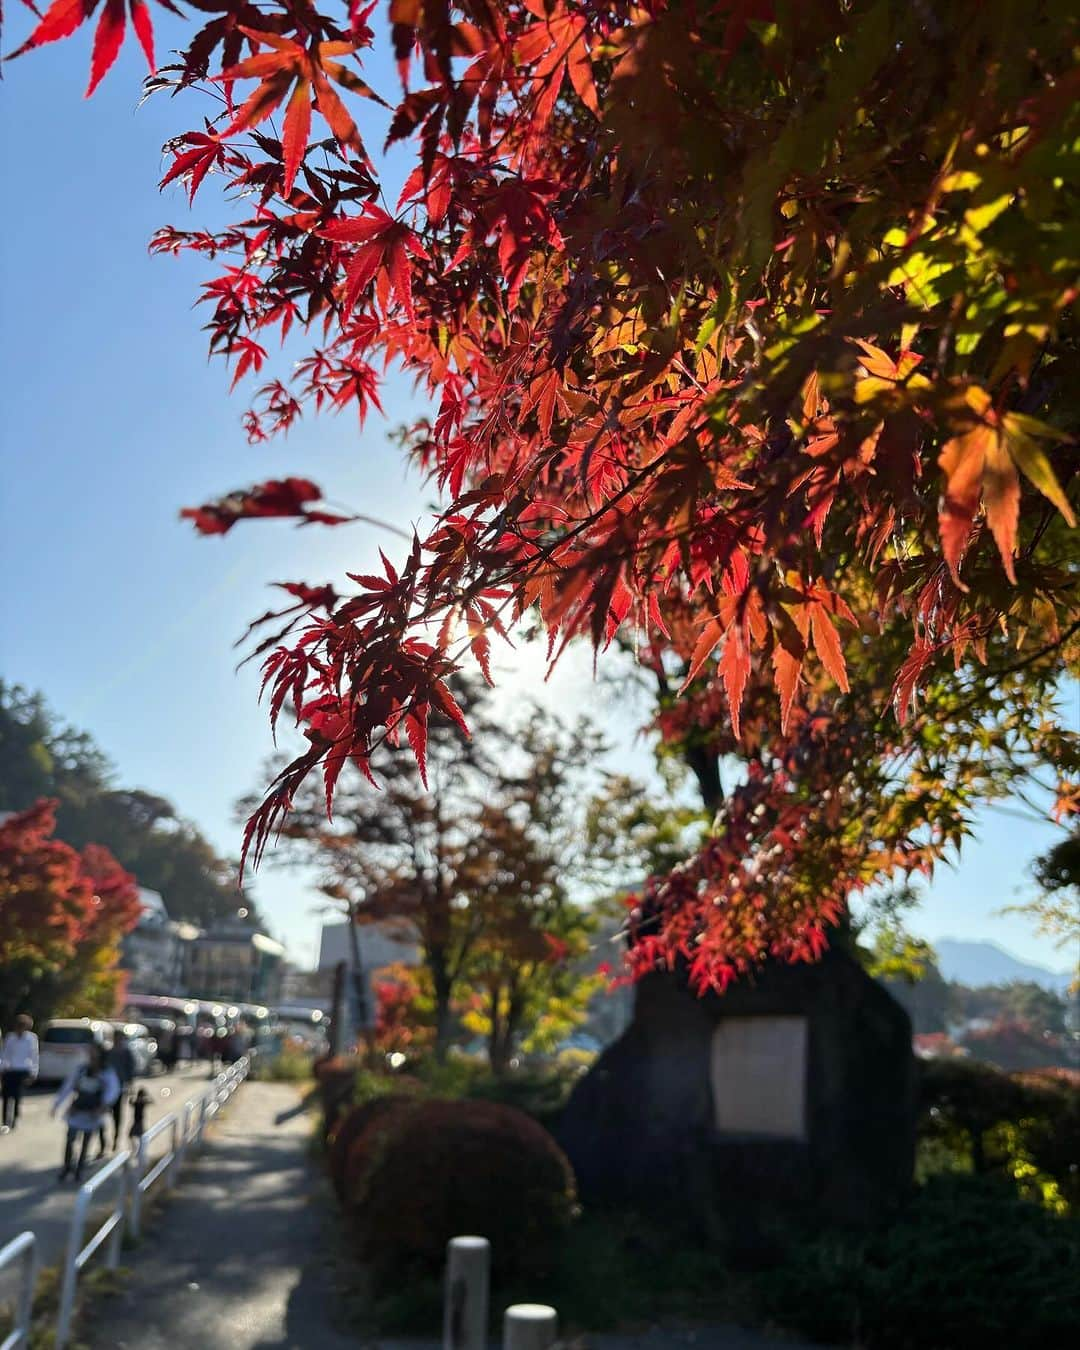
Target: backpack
<point>89,1092</point>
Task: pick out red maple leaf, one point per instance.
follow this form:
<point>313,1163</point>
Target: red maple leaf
<point>305,70</point>
<point>63,16</point>
<point>383,256</point>
<point>278,497</point>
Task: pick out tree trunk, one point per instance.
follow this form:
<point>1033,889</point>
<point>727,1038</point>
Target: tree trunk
<point>442,989</point>
<point>705,767</point>
<point>978,1152</point>
<point>502,1047</point>
<point>442,1027</point>
<point>497,1047</point>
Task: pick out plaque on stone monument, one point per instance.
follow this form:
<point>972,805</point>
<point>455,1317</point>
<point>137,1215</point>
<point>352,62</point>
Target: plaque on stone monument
<point>758,1076</point>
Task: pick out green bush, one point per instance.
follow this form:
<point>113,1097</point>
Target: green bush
<point>540,1092</point>
<point>1024,1126</point>
<point>441,1168</point>
<point>970,1264</point>
<point>290,1066</point>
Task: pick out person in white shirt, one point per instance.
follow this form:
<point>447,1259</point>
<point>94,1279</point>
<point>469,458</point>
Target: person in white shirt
<point>92,1088</point>
<point>18,1066</point>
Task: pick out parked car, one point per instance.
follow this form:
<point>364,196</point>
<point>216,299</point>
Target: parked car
<point>66,1042</point>
<point>175,1043</point>
<point>142,1045</point>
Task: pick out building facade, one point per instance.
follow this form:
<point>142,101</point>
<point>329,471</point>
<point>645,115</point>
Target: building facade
<point>153,953</point>
<point>235,961</point>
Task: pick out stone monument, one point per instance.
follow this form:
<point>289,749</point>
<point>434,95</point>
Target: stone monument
<point>793,1092</point>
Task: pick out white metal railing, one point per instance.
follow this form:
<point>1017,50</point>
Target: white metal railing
<point>23,1250</point>
<point>78,1254</point>
<point>137,1173</point>
<point>186,1128</point>
<point>143,1173</point>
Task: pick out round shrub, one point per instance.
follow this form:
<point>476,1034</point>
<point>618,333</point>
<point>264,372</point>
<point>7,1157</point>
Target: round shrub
<point>436,1169</point>
<point>348,1148</point>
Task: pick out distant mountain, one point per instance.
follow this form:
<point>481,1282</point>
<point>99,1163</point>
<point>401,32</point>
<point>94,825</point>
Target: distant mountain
<point>978,963</point>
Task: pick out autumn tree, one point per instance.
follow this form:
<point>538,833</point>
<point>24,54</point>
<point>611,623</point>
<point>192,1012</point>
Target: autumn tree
<point>475,860</point>
<point>43,756</point>
<point>757,319</point>
<point>62,916</point>
<point>524,988</point>
<point>404,1010</point>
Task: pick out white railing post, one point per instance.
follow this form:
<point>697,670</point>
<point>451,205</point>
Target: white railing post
<point>465,1298</point>
<point>186,1130</point>
<point>136,1176</point>
<point>174,1153</point>
<point>24,1250</point>
<point>530,1326</point>
<point>77,1255</point>
<point>112,1255</point>
<point>71,1268</point>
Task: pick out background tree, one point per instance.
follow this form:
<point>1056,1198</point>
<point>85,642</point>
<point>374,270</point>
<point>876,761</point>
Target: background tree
<point>61,919</point>
<point>1021,1001</point>
<point>524,987</point>
<point>1056,909</point>
<point>765,310</point>
<point>404,1010</point>
<point>40,755</point>
<point>475,859</point>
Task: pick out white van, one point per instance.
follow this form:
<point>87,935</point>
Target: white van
<point>65,1042</point>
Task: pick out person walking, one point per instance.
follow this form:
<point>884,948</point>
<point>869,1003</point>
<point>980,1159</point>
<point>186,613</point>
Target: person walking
<point>18,1067</point>
<point>122,1062</point>
<point>92,1088</point>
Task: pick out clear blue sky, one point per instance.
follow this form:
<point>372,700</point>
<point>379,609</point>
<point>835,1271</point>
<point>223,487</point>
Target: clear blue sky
<point>112,419</point>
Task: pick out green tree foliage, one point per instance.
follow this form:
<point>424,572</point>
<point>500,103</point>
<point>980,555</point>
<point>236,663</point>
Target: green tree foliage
<point>1056,910</point>
<point>1020,1001</point>
<point>41,756</point>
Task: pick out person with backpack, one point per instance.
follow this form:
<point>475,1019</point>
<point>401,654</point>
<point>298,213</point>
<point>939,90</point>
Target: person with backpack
<point>122,1062</point>
<point>92,1088</point>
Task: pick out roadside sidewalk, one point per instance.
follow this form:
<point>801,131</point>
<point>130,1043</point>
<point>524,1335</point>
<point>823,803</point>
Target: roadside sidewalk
<point>236,1260</point>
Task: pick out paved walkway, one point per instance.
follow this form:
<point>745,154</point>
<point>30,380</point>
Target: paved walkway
<point>236,1260</point>
<point>30,1158</point>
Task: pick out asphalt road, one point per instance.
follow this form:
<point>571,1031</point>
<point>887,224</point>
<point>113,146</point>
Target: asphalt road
<point>30,1159</point>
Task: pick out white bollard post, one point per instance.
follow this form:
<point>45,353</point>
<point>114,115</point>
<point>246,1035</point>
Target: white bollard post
<point>530,1326</point>
<point>465,1300</point>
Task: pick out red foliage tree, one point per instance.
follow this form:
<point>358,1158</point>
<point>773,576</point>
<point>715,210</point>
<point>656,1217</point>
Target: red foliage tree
<point>61,916</point>
<point>752,319</point>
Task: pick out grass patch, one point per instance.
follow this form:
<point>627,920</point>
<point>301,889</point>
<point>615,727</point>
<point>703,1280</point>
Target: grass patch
<point>97,1282</point>
<point>611,1271</point>
<point>969,1264</point>
<point>290,1066</point>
